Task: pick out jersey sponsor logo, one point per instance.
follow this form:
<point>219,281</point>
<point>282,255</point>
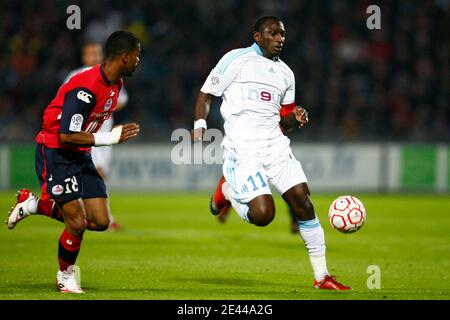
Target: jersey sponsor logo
<point>84,96</point>
<point>57,190</point>
<point>263,95</point>
<point>99,115</point>
<point>76,122</point>
<point>108,104</point>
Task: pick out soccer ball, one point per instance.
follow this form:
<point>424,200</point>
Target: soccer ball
<point>347,214</point>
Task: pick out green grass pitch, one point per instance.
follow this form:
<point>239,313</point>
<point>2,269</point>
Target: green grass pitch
<point>173,248</point>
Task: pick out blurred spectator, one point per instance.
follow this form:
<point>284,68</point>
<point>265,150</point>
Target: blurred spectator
<point>358,84</point>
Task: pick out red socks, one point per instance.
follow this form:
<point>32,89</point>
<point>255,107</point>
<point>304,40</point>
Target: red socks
<point>50,209</point>
<point>68,249</point>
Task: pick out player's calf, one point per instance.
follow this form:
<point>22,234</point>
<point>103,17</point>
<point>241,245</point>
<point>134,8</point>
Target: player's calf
<point>299,202</point>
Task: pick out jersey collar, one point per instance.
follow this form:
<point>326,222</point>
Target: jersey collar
<point>105,78</point>
<point>257,49</point>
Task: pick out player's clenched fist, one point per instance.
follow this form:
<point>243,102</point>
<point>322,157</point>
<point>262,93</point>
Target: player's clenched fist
<point>301,115</point>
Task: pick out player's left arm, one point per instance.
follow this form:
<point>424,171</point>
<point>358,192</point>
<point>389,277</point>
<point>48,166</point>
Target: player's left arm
<point>78,103</point>
<point>291,115</point>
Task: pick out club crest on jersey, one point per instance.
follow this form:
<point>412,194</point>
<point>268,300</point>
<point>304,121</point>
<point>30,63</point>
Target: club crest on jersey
<point>108,104</point>
<point>84,96</point>
<point>57,190</point>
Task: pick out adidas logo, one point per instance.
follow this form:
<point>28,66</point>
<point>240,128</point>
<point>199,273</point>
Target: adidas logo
<point>271,70</point>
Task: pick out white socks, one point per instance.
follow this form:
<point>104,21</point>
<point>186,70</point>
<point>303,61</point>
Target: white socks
<point>312,234</point>
<point>319,265</point>
<point>241,208</point>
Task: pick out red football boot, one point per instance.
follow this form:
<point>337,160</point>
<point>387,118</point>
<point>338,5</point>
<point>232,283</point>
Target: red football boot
<point>218,205</point>
<point>114,226</point>
<point>330,283</point>
<point>224,213</point>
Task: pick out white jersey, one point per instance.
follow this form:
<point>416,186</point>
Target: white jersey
<point>253,88</point>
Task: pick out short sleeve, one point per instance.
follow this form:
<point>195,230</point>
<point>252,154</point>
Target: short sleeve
<point>289,96</point>
<point>223,74</point>
<point>78,103</point>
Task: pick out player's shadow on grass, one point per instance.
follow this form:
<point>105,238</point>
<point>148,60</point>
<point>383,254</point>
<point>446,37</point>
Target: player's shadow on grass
<point>223,281</point>
<point>27,287</point>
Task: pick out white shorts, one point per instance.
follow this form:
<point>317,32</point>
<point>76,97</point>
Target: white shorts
<point>250,171</point>
<point>102,157</point>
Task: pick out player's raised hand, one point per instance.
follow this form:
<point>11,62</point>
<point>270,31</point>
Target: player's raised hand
<point>301,115</point>
<point>197,134</point>
<point>129,131</point>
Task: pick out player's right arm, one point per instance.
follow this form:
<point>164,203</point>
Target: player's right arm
<point>202,105</point>
<point>77,106</point>
<point>217,82</point>
<point>291,115</point>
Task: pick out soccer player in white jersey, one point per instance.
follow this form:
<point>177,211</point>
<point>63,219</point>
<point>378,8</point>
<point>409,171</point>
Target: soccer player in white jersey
<point>258,93</point>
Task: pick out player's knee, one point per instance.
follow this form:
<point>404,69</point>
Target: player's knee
<point>262,211</point>
<point>99,224</point>
<point>263,216</point>
<point>77,226</point>
<point>102,226</point>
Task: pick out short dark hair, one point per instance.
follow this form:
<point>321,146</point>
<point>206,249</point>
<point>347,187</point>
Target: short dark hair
<point>261,21</point>
<point>120,42</point>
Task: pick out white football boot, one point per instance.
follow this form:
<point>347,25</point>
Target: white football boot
<point>20,210</point>
<point>69,280</point>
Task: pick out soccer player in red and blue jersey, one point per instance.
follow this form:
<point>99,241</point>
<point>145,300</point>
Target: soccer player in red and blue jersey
<point>64,164</point>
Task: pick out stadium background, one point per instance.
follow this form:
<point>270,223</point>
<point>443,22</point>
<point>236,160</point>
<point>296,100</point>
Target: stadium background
<point>359,85</point>
<point>379,112</point>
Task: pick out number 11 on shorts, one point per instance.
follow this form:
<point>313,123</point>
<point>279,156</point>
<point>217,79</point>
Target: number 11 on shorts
<point>252,181</point>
